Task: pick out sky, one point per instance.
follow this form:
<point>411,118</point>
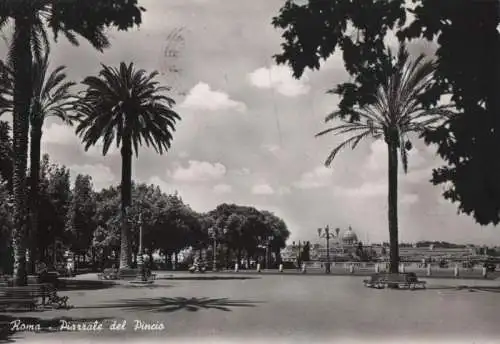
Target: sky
<point>247,129</point>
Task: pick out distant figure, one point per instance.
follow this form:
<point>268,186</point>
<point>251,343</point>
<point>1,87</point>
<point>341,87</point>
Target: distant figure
<point>70,267</point>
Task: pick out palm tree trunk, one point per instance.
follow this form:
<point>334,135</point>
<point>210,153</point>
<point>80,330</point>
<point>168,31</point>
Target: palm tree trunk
<point>22,99</point>
<point>393,207</point>
<point>126,200</point>
<point>35,143</point>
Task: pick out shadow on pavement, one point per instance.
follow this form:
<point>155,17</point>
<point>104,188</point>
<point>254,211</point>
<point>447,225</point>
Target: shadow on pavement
<point>172,304</point>
<point>492,289</point>
<point>207,278</point>
<point>9,333</point>
<point>144,286</point>
<point>70,285</point>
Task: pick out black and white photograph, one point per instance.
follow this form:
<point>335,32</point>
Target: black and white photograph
<point>235,171</point>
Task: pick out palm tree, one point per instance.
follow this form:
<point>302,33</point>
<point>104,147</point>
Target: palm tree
<point>395,113</point>
<point>30,18</point>
<point>126,105</point>
<point>51,98</point>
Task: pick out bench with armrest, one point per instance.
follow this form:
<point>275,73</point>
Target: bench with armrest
<point>414,282</point>
<point>128,274</point>
<point>30,295</point>
<point>132,274</point>
<point>405,280</point>
<point>376,281</point>
<point>108,274</point>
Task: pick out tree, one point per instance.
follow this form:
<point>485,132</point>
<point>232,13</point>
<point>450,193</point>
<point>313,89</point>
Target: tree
<point>396,113</point>
<point>72,18</point>
<point>51,98</point>
<point>470,142</point>
<point>313,32</point>
<point>278,230</point>
<point>81,224</point>
<point>55,198</point>
<point>6,154</point>
<point>106,237</point>
<point>127,105</point>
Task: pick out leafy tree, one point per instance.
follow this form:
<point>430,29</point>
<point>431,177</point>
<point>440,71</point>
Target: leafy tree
<point>468,54</point>
<point>127,105</point>
<point>72,18</point>
<point>396,113</point>
<point>312,32</point>
<point>278,230</point>
<point>81,224</point>
<point>106,238</point>
<point>55,197</point>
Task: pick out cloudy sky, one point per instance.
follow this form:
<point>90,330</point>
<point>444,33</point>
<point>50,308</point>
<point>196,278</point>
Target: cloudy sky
<point>247,129</point>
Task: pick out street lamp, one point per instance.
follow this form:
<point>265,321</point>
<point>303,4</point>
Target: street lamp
<point>325,233</point>
<point>213,233</point>
<point>140,258</point>
<point>268,250</point>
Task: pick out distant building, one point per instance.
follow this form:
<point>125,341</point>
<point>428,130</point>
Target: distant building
<point>344,247</point>
<point>341,247</point>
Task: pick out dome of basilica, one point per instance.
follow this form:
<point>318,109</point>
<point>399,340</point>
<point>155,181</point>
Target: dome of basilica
<point>349,236</point>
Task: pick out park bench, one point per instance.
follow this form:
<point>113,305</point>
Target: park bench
<point>108,274</point>
<point>407,280</point>
<point>29,296</point>
<point>414,282</point>
<point>376,281</point>
<point>128,274</point>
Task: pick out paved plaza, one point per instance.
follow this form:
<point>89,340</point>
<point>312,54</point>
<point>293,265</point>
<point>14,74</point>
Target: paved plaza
<point>289,308</point>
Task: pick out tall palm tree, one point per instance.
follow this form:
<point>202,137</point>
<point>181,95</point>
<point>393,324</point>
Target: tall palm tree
<point>396,112</point>
<point>126,105</point>
<point>30,18</point>
<point>51,98</point>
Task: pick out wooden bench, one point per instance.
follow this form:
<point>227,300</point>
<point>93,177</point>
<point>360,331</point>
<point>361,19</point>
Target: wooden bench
<point>414,282</point>
<point>130,274</point>
<point>30,295</point>
<point>403,281</point>
<point>407,280</point>
<point>376,281</point>
<point>14,297</point>
<point>108,274</point>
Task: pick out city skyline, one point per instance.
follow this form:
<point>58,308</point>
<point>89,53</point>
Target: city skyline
<point>247,129</point>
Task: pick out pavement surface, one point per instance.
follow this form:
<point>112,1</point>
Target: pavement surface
<point>225,307</point>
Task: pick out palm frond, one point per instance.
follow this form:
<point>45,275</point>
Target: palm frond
<point>352,142</point>
<point>397,108</point>
<point>125,104</point>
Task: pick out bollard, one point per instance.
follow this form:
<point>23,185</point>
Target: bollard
<point>485,273</point>
<point>402,268</point>
<point>304,268</point>
<point>455,270</point>
<point>351,268</point>
<point>377,268</point>
<point>429,272</point>
<point>258,267</point>
<point>236,267</point>
<point>281,268</point>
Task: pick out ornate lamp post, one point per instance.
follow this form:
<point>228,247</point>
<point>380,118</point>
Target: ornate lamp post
<point>325,233</point>
<point>268,250</point>
<point>140,258</point>
<point>213,234</point>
